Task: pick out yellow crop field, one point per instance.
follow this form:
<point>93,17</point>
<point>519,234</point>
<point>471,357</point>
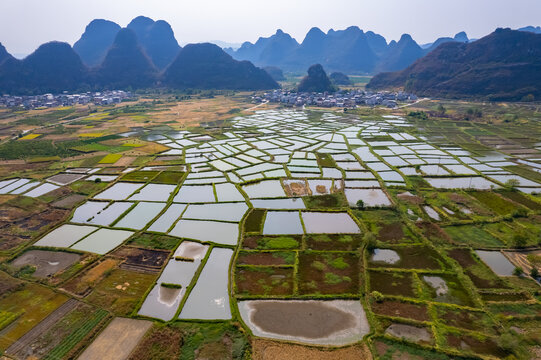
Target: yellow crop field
<point>30,137</point>
<point>110,159</point>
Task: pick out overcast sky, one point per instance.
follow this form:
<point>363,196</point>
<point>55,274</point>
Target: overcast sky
<point>25,24</point>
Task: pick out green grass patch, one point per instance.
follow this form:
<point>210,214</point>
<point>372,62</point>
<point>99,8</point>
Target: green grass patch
<point>272,242</point>
<point>87,187</point>
<point>254,221</point>
<point>168,177</point>
<point>472,235</point>
<point>140,176</point>
<point>494,202</point>
<point>325,160</point>
<point>337,200</point>
<point>76,336</point>
<point>155,241</point>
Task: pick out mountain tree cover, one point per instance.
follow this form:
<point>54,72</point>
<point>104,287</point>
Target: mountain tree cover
<point>339,78</point>
<point>505,65</point>
<point>126,64</point>
<point>316,81</point>
<point>55,67</point>
<point>207,66</point>
<point>157,39</point>
<point>275,72</point>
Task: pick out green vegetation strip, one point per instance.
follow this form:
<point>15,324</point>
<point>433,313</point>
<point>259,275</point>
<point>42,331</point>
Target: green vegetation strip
<point>75,337</point>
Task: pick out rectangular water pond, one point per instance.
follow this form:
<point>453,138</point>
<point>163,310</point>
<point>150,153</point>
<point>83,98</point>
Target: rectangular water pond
<point>140,215</point>
<point>163,301</point>
<point>264,189</point>
<point>102,241</point>
<point>154,192</point>
<point>104,216</point>
<point>497,262</point>
<point>289,203</point>
<point>370,197</point>
<point>119,191</point>
<point>168,218</point>
<point>195,194</point>
<point>282,222</point>
<point>224,212</point>
<point>213,231</point>
<point>228,192</point>
<point>477,183</point>
<point>209,299</point>
<point>329,223</point>
<point>65,235</point>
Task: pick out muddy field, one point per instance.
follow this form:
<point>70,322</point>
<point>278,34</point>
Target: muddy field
<point>264,281</point>
<point>159,343</point>
<point>400,309</point>
<point>328,273</point>
<point>339,242</point>
<point>141,259</point>
<point>266,258</point>
<point>47,263</point>
<point>336,322</point>
<point>392,283</point>
<point>409,332</point>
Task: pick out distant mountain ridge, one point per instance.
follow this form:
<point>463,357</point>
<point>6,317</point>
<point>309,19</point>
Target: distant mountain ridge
<point>4,55</point>
<point>351,51</point>
<point>53,67</point>
<point>533,29</point>
<point>95,41</point>
<point>155,37</point>
<point>505,65</point>
<point>126,64</point>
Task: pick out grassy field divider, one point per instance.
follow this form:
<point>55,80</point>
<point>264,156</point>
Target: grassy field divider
<point>70,341</point>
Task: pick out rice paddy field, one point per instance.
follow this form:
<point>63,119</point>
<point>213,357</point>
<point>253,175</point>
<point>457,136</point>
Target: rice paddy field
<point>197,230</point>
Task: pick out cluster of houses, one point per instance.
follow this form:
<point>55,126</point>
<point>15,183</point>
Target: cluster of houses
<point>346,99</point>
<point>65,99</point>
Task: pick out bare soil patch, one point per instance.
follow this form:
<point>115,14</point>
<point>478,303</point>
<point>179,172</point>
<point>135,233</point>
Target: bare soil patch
<point>296,188</point>
<point>117,341</point>
<point>69,202</point>
<point>83,283</point>
<point>271,350</point>
<point>8,283</point>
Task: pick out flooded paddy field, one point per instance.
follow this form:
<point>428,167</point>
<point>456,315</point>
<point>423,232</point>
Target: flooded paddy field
<point>282,224</point>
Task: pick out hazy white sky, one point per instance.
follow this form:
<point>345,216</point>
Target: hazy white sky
<point>25,24</point>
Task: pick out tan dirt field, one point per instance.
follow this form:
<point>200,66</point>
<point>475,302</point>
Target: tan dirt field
<point>118,340</point>
<point>272,350</point>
